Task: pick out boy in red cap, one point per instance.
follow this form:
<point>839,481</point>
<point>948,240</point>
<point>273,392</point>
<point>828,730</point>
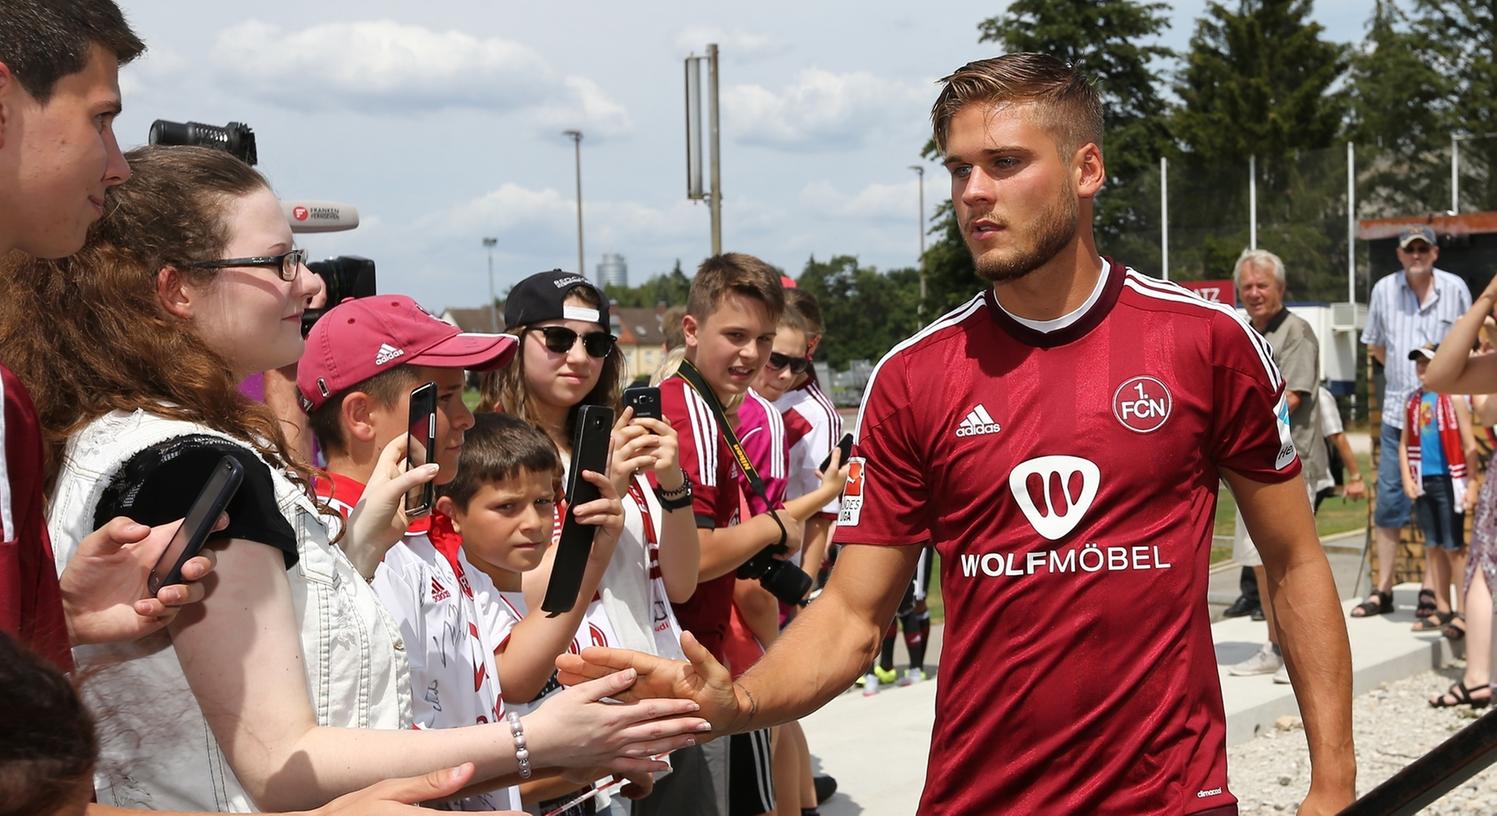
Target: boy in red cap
<point>362,360</point>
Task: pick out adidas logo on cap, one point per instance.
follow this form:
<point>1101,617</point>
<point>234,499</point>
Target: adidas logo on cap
<point>387,353</point>
<point>977,423</point>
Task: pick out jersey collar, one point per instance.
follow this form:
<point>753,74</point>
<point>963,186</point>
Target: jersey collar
<point>1073,331</point>
<point>348,491</point>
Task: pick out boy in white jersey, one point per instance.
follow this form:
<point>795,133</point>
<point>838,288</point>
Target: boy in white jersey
<point>362,360</point>
<point>499,513</point>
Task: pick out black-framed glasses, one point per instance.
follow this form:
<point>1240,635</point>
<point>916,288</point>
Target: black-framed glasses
<point>1417,248</point>
<point>285,265</point>
<point>778,361</point>
<point>560,340</point>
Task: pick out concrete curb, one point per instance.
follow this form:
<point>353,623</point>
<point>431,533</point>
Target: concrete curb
<point>1383,650</point>
<point>877,746</point>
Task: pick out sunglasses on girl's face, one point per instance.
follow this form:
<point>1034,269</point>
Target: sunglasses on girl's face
<point>560,340</point>
<point>778,361</point>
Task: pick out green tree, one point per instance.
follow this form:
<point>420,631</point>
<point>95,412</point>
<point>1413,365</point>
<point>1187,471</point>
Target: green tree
<point>1110,41</point>
<point>1260,82</point>
<point>1398,116</point>
<point>670,288</point>
<point>1115,43</point>
<point>866,312</point>
<point>1461,36</point>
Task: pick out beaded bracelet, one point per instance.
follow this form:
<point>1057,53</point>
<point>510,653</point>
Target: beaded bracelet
<point>522,754</point>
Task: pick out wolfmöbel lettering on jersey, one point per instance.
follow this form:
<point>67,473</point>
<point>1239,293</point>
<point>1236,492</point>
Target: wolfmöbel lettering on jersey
<point>1073,512</point>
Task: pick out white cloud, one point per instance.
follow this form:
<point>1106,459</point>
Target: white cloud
<point>822,110</point>
<point>733,44</point>
<point>381,66</point>
<point>541,217</point>
<point>887,202</point>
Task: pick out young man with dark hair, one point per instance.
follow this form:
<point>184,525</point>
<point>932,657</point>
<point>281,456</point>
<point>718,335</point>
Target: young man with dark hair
<point>59,94</point>
<point>1073,517</point>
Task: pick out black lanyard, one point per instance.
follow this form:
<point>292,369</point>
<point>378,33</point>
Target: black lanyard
<point>699,384</point>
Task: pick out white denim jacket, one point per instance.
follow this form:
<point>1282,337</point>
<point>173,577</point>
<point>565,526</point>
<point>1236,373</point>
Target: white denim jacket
<point>157,750</point>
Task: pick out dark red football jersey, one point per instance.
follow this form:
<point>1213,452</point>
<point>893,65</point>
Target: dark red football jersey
<point>708,462</point>
<point>1068,478</point>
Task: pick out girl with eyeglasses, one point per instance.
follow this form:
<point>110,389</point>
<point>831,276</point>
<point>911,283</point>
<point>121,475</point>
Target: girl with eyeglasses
<point>288,685</point>
<point>568,358</point>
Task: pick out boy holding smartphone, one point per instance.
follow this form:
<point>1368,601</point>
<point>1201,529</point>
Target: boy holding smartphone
<point>362,361</point>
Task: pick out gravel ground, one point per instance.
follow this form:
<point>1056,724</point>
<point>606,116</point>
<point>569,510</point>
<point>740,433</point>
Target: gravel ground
<point>1393,725</point>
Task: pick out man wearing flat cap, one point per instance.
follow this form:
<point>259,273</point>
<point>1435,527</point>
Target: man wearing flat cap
<point>1406,311</point>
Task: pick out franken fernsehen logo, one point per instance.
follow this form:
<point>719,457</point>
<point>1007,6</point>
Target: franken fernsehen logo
<point>1055,492</point>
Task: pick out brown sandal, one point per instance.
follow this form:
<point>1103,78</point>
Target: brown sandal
<point>1456,628</point>
<point>1432,623</point>
<point>1378,603</point>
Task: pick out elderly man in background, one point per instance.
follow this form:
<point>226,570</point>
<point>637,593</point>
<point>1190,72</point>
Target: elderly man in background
<point>1406,311</point>
<point>1260,282</point>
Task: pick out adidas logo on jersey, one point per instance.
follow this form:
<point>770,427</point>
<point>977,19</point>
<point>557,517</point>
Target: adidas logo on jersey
<point>977,423</point>
<point>387,353</point>
<point>439,593</point>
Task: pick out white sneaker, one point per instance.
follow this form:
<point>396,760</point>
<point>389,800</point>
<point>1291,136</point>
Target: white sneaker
<point>1267,660</point>
<point>870,684</point>
<point>911,677</point>
<point>1282,676</point>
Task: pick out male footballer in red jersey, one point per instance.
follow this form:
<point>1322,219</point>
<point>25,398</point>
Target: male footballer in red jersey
<point>1059,439</point>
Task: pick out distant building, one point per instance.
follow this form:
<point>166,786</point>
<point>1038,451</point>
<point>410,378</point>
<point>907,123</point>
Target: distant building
<point>479,319</point>
<point>613,272</point>
<point>640,339</point>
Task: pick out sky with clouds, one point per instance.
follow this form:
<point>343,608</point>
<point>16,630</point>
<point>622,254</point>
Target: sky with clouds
<point>441,121</point>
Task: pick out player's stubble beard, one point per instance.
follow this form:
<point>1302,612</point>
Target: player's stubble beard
<point>1053,230</point>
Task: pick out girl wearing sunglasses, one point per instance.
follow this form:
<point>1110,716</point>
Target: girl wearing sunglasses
<point>569,358</point>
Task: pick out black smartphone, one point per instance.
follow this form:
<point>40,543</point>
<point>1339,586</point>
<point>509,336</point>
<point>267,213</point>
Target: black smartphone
<point>589,452</point>
<point>418,449</point>
<point>845,446</point>
<point>644,399</point>
<point>189,539</point>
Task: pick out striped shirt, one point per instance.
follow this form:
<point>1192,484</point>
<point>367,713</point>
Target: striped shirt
<point>1399,323</point>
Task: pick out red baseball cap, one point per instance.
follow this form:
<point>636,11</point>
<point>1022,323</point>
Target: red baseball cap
<point>360,338</point>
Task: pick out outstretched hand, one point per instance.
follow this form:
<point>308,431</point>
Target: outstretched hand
<point>703,680</point>
<point>579,728</point>
<point>104,585</point>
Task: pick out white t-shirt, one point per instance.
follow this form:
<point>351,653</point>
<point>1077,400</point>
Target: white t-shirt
<point>1329,417</point>
<point>454,681</point>
<point>812,427</point>
<point>632,589</point>
<point>502,611</point>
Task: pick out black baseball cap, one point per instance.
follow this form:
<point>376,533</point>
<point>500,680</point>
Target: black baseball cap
<point>542,296</point>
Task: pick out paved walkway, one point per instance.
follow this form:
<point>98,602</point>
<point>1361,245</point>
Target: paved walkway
<point>877,746</point>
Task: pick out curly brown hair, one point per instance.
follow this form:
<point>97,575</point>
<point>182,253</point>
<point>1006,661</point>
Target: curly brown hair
<point>88,335</point>
<point>504,390</point>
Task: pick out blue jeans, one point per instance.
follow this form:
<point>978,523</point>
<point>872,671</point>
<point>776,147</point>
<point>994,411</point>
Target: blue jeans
<point>1392,508</point>
<point>1443,527</point>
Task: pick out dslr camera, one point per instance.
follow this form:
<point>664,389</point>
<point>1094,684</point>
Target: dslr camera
<point>784,580</point>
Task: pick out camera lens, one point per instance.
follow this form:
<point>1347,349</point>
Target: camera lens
<point>787,582</point>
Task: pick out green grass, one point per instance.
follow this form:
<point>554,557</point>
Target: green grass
<point>1337,515</point>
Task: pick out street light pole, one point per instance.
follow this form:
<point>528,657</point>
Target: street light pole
<point>488,244</point>
<point>576,137</point>
<point>920,185</point>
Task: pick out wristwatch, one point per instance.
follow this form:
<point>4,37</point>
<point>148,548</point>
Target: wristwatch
<point>675,499</point>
